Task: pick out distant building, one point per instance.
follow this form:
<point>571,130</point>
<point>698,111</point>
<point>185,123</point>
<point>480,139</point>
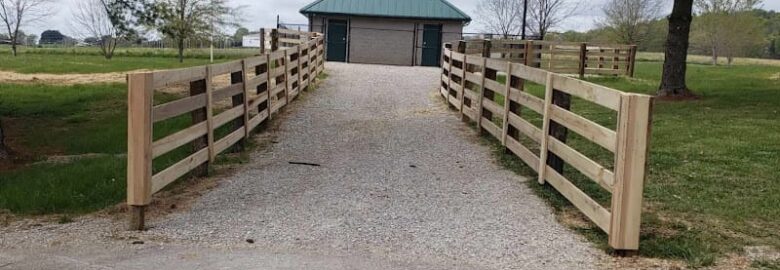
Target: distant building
<point>395,32</point>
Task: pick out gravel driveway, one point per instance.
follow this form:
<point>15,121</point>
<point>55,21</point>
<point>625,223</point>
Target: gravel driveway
<point>402,184</point>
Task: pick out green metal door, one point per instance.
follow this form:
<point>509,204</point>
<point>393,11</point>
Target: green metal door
<point>337,40</point>
<point>431,47</point>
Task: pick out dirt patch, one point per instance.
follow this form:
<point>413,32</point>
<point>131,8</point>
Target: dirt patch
<point>62,79</point>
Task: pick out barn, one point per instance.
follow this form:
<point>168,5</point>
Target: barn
<point>392,32</point>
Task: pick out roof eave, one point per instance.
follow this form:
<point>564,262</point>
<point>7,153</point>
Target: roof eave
<point>466,20</point>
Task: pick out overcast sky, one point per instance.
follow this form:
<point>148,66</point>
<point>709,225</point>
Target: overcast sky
<point>262,13</point>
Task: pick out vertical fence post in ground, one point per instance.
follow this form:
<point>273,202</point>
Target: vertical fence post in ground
<point>480,96</point>
<point>486,47</point>
<point>632,61</point>
<point>274,40</point>
<point>262,41</point>
<point>285,64</point>
<point>198,116</point>
<point>507,101</point>
<point>543,148</point>
<point>269,88</point>
<point>139,149</point>
<point>210,115</point>
<point>449,78</point>
<point>240,100</point>
<point>633,135</point>
<point>583,59</point>
<point>558,131</point>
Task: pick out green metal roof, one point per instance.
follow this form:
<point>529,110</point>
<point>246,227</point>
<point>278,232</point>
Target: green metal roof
<point>418,9</point>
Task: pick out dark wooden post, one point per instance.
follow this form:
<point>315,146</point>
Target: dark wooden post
<point>198,116</point>
<point>487,45</point>
<point>583,59</point>
<point>632,61</point>
<point>238,100</point>
<point>262,41</point>
<point>557,130</point>
<point>274,40</point>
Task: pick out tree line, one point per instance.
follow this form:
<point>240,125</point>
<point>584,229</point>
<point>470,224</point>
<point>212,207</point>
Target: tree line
<point>720,28</point>
<point>110,21</point>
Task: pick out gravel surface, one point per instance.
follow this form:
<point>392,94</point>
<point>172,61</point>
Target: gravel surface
<point>401,183</point>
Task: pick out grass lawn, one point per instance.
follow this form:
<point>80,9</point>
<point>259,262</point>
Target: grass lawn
<point>713,176</point>
<point>88,60</point>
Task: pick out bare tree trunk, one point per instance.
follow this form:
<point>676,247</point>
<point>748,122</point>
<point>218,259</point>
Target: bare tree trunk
<point>714,56</point>
<point>673,79</point>
<point>13,47</point>
<point>181,50</point>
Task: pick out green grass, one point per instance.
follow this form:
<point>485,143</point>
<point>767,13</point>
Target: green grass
<point>712,186</point>
<point>89,60</point>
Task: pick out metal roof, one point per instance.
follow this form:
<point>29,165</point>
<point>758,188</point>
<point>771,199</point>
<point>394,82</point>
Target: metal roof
<point>418,9</point>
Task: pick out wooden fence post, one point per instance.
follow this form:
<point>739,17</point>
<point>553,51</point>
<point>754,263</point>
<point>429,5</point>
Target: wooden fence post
<point>198,116</point>
<point>507,101</point>
<point>139,150</point>
<point>558,131</point>
<point>286,63</point>
<point>583,59</point>
<point>262,41</point>
<point>543,148</point>
<point>210,115</point>
<point>269,88</point>
<point>632,61</point>
<point>274,40</point>
<point>633,135</point>
<point>240,100</point>
<point>486,47</point>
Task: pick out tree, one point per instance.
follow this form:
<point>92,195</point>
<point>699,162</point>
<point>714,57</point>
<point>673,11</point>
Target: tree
<point>240,33</point>
<point>547,14</point>
<point>676,51</point>
<point>52,37</point>
<point>183,20</point>
<point>16,13</point>
<point>99,19</point>
<point>716,26</point>
<point>501,16</point>
<point>630,21</point>
<point>31,40</point>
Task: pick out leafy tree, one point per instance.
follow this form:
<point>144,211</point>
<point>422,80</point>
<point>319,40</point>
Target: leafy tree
<point>106,20</point>
<point>721,26</point>
<point>240,33</point>
<point>183,20</point>
<point>52,37</point>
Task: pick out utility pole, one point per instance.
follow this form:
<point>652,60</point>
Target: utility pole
<point>525,15</point>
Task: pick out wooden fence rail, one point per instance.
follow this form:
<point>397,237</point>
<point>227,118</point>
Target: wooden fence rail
<point>558,57</point>
<point>259,87</point>
<point>470,83</point>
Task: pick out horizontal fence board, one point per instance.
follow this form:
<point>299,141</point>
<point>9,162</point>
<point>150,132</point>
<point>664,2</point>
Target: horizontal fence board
<point>530,159</point>
<point>493,107</point>
<point>257,80</point>
<point>456,72</point>
<point>474,77</point>
<point>498,65</point>
<point>225,68</point>
<point>491,128</point>
<point>471,95</point>
<point>252,62</point>
<point>178,139</point>
<point>529,73</point>
<point>595,212</point>
<point>454,101</point>
<point>258,119</point>
<point>605,178</point>
<point>527,100</point>
<point>525,127</point>
<point>229,140</point>
<point>592,131</point>
<point>178,107</point>
<point>494,86</point>
<point>167,176</point>
<point>228,91</point>
<point>227,116</point>
<point>598,94</point>
<point>175,76</point>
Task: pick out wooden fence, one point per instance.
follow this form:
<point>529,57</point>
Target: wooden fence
<point>558,57</point>
<point>259,87</point>
<point>471,84</point>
